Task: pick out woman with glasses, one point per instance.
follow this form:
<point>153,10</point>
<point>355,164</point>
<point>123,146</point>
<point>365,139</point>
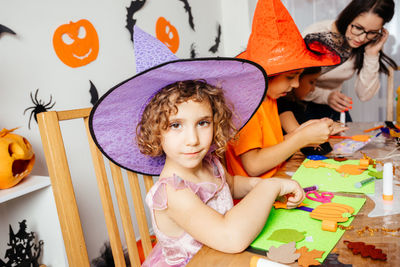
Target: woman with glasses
<point>361,23</point>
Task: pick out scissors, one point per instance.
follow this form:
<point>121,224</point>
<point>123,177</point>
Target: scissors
<point>323,197</point>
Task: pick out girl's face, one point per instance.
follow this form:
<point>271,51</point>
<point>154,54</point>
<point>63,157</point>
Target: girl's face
<point>283,83</point>
<point>365,24</point>
<point>189,135</point>
<point>306,85</point>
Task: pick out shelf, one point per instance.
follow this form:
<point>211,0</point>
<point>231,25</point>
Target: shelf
<point>26,186</point>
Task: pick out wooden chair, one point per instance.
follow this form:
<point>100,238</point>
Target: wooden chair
<point>389,95</point>
<point>64,195</point>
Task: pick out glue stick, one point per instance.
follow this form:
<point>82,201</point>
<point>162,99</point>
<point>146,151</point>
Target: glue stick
<point>343,118</point>
<point>261,262</point>
<point>388,181</point>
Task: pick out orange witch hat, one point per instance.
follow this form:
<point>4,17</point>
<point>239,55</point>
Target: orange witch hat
<point>277,45</point>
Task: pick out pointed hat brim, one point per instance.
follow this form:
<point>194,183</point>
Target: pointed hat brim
<point>114,117</point>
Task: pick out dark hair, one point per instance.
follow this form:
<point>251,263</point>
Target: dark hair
<point>310,70</point>
<point>384,9</point>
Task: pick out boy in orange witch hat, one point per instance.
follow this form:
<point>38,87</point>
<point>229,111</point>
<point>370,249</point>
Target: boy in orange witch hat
<point>276,44</point>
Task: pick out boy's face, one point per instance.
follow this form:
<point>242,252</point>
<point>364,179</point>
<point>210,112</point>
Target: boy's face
<point>306,85</point>
<point>283,83</point>
<point>189,135</point>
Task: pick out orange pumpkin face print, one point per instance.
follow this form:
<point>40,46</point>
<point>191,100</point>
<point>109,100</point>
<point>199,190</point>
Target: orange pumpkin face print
<point>167,34</point>
<point>77,43</point>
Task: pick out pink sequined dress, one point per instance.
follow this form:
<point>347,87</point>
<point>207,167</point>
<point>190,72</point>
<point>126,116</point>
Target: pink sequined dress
<point>177,251</point>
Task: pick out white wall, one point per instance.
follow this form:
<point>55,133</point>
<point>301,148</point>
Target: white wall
<point>28,62</point>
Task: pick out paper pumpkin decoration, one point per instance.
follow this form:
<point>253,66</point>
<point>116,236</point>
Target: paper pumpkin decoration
<point>16,158</point>
<point>77,43</point>
<point>167,34</point>
<point>332,213</point>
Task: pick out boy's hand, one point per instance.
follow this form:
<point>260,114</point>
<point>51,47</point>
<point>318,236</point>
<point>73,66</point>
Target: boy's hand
<point>316,132</point>
<point>337,127</point>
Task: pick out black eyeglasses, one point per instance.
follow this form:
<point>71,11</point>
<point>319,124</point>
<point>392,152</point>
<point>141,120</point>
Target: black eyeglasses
<point>371,35</point>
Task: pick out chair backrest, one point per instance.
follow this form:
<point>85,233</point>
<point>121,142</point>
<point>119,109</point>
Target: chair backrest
<point>67,208</point>
<point>389,95</point>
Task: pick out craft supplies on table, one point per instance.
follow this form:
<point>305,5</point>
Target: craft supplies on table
<point>363,182</point>
<point>329,179</point>
<point>284,226</point>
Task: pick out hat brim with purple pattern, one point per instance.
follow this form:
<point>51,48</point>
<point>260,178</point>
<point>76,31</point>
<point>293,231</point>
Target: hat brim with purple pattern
<point>114,117</point>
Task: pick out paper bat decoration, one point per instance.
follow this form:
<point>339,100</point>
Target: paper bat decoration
<point>93,93</point>
<point>131,10</point>
<point>6,29</point>
<point>188,9</point>
<point>214,48</point>
<point>193,53</point>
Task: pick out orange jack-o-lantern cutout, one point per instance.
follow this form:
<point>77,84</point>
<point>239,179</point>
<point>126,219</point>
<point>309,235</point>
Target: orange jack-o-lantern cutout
<point>167,34</point>
<point>16,158</point>
<point>76,44</point>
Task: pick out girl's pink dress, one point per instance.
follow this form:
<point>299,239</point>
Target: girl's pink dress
<point>177,251</point>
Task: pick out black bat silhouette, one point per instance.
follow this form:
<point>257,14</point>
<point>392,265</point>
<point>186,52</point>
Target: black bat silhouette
<point>214,48</point>
<point>193,53</point>
<point>6,29</point>
<point>93,93</point>
<point>188,9</point>
<point>131,10</point>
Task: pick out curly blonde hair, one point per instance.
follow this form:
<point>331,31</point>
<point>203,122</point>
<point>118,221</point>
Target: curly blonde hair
<point>164,104</point>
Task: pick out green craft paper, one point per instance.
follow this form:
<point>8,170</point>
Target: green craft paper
<point>301,221</point>
<point>330,180</point>
<point>287,235</point>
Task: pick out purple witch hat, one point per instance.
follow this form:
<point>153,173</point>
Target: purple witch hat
<point>114,118</point>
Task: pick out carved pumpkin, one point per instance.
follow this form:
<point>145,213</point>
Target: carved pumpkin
<point>76,44</point>
<point>16,158</point>
<point>167,34</point>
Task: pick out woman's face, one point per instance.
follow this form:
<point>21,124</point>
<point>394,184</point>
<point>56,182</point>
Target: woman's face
<point>283,83</point>
<point>306,85</point>
<point>365,24</point>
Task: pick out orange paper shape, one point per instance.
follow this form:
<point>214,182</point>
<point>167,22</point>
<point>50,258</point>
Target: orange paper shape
<point>308,258</point>
<point>77,43</point>
<point>350,169</point>
<point>330,214</point>
<point>283,254</point>
<point>167,34</point>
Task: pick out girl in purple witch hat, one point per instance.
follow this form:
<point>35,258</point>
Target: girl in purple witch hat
<point>175,121</point>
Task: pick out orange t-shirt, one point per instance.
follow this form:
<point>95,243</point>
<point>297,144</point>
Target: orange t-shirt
<point>263,130</point>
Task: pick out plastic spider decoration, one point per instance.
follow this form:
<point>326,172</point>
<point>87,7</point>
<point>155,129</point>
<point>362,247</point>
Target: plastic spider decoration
<point>39,106</point>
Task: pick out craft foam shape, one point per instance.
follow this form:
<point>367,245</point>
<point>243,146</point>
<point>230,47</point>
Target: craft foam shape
<point>365,250</point>
<point>284,254</point>
<point>329,179</point>
<point>301,221</point>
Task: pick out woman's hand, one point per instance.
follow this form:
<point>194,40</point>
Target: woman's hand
<point>339,102</point>
<point>373,48</point>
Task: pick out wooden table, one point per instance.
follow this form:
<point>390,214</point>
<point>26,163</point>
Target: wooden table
<point>389,242</point>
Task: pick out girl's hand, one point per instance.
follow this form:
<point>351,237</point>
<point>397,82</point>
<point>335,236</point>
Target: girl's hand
<point>374,47</point>
<point>292,189</point>
<point>339,102</point>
